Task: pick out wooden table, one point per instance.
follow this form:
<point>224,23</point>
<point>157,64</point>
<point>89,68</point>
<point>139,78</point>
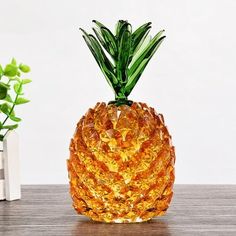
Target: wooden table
<point>195,210</point>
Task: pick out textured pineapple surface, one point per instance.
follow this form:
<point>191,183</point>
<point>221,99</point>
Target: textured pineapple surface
<point>121,164</point>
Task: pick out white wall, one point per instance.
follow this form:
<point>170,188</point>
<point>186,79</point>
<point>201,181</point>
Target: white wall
<point>191,80</point>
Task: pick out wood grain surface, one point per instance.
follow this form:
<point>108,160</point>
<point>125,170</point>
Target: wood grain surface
<point>195,210</point>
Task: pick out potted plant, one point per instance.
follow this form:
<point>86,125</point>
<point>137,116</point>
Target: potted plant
<point>11,95</point>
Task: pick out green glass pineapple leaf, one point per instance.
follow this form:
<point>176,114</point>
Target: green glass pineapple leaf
<point>124,50</point>
<point>106,38</point>
<point>102,60</point>
<point>139,36</point>
<point>129,54</point>
<point>141,62</point>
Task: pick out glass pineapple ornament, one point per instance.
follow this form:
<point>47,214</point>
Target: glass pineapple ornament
<point>121,165</point>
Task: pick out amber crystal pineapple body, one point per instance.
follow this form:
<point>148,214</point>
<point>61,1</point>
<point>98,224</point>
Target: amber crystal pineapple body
<point>121,164</point>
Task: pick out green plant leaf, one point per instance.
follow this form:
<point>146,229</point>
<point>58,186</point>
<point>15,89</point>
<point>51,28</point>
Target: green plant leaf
<point>13,62</point>
<point>26,81</point>
<point>10,70</point>
<point>14,118</point>
<point>5,108</point>
<point>7,86</point>
<point>13,113</point>
<point>1,71</point>
<point>8,98</point>
<point>10,127</point>
<point>18,88</point>
<point>1,137</point>
<point>24,68</point>
<point>15,79</point>
<point>3,90</point>
<point>21,100</point>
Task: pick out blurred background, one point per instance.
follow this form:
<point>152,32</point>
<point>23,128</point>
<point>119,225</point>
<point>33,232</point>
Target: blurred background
<point>191,80</point>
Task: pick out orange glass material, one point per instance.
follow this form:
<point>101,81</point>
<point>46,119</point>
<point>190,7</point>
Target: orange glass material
<point>121,164</point>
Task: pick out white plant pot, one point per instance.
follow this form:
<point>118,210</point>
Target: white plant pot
<point>2,181</point>
<point>10,168</point>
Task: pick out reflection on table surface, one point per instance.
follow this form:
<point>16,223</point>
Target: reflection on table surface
<point>152,227</point>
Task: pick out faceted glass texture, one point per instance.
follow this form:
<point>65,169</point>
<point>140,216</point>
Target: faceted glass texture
<point>121,164</point>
